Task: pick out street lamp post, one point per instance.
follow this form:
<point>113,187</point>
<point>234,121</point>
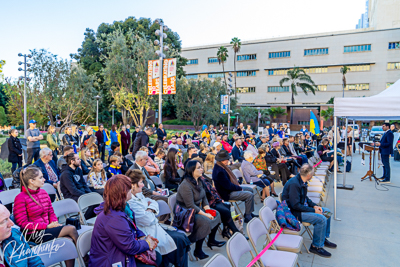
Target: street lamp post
<point>237,118</point>
<point>113,106</point>
<point>25,79</point>
<point>258,118</point>
<point>160,53</point>
<point>97,97</point>
<point>229,99</point>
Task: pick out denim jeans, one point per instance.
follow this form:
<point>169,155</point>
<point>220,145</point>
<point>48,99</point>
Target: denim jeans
<point>386,166</point>
<point>322,226</point>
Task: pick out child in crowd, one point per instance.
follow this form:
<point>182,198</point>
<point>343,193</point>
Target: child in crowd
<point>115,167</point>
<point>97,176</point>
<point>159,158</point>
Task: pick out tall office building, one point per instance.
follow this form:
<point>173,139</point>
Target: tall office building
<point>363,22</point>
<point>372,54</point>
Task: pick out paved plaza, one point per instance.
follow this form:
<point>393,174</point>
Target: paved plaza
<point>368,233</point>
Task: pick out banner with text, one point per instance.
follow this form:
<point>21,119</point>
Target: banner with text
<point>153,77</point>
<point>224,104</point>
<point>169,76</point>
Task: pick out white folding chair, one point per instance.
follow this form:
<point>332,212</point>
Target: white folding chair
<point>156,180</point>
<point>57,250</point>
<point>83,245</point>
<point>87,200</point>
<point>8,196</point>
<point>218,260</point>
<point>162,178</point>
<point>59,190</point>
<point>65,208</point>
<point>255,230</point>
<point>181,172</point>
<point>8,182</point>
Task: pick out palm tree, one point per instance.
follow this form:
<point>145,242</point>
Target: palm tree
<point>327,114</point>
<point>222,56</point>
<point>298,78</point>
<point>343,71</point>
<point>275,112</point>
<point>236,44</point>
<point>247,114</point>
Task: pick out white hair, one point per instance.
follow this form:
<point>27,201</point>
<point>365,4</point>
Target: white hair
<point>140,155</point>
<point>44,152</point>
<point>248,154</point>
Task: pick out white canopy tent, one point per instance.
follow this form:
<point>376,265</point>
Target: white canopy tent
<point>383,106</point>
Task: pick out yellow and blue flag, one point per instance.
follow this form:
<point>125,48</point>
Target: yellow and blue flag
<point>314,125</point>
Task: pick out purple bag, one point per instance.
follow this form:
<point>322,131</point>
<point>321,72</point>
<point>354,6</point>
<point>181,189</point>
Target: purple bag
<point>183,218</point>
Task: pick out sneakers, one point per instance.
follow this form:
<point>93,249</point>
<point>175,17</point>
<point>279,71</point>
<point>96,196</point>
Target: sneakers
<point>254,215</point>
<point>320,252</point>
<point>384,181</point>
<point>339,171</point>
<point>329,244</point>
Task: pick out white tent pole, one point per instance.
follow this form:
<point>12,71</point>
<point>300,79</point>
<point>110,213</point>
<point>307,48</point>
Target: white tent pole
<point>352,140</point>
<point>335,169</point>
<point>345,153</point>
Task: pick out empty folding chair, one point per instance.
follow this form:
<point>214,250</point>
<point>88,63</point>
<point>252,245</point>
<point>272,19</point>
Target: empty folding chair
<point>218,260</point>
<point>83,245</point>
<point>8,182</point>
<point>67,207</point>
<point>271,203</point>
<point>86,201</point>
<point>66,250</point>
<point>8,197</point>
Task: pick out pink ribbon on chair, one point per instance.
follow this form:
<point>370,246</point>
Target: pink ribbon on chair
<point>265,249</point>
<point>317,163</point>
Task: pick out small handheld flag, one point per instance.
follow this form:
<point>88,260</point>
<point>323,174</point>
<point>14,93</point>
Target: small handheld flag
<point>314,125</point>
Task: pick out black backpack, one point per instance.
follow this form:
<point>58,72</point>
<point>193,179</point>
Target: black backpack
<point>16,183</point>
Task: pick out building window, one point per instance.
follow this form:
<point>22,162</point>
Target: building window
<point>212,60</point>
<point>278,89</point>
<point>192,76</point>
<point>389,84</point>
<point>244,90</point>
<point>360,68</point>
<point>394,45</point>
<point>192,61</point>
<point>322,87</point>
<point>246,104</point>
<point>393,66</point>
<point>278,72</point>
<point>316,70</point>
<point>279,54</point>
<point>246,57</point>
<point>357,48</point>
<point>315,52</point>
<point>303,122</point>
<point>357,86</point>
<point>215,75</point>
<point>246,73</point>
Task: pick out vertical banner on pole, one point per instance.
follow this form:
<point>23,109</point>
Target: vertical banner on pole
<point>169,76</point>
<point>224,104</point>
<point>153,77</point>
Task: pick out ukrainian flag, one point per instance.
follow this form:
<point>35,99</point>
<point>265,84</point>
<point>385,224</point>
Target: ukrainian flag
<point>314,125</point>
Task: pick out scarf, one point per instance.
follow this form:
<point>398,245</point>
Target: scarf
<point>115,167</point>
<point>232,176</point>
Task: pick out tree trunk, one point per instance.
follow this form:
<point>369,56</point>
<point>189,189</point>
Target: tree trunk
<point>124,116</point>
<point>234,66</point>
<point>223,70</point>
<point>292,98</point>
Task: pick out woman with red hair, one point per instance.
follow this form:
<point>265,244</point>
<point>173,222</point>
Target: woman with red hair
<point>116,239</point>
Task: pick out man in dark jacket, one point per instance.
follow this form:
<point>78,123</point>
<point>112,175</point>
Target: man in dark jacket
<point>137,129</point>
<point>228,188</point>
<point>263,140</point>
<point>386,149</point>
<point>237,151</point>
<point>295,195</point>
<point>48,167</point>
<point>142,139</point>
<point>72,183</point>
<point>100,142</point>
<point>161,133</point>
<point>272,131</point>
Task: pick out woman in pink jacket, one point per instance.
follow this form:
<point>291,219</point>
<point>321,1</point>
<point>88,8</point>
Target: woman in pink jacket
<point>151,167</point>
<point>34,213</point>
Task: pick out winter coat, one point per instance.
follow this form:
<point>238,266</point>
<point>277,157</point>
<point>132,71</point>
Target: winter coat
<point>72,183</point>
<point>226,146</point>
<point>223,183</point>
<point>67,139</point>
<point>142,139</point>
<point>115,240</point>
<point>52,141</point>
<point>161,133</point>
<point>125,140</point>
<point>31,216</point>
<point>14,149</point>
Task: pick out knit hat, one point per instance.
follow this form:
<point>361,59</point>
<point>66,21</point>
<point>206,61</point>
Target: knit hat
<point>275,144</point>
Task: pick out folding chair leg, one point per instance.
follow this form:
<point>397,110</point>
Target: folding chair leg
<point>309,232</point>
<point>239,209</point>
<point>306,247</point>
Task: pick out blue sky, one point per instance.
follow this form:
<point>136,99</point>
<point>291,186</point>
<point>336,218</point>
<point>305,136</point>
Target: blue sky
<point>59,25</point>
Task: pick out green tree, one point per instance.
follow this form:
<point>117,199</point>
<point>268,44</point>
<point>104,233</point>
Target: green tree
<point>236,44</point>
<point>298,79</point>
<point>3,97</point>
<point>247,114</point>
<point>126,73</point>
<point>343,71</point>
<point>199,100</point>
<point>327,114</point>
<point>331,100</point>
<point>60,88</point>
<point>94,51</point>
<point>222,55</point>
<point>274,112</point>
<point>3,117</point>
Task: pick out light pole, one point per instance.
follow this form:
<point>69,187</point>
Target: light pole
<point>258,118</point>
<point>97,97</point>
<point>113,106</point>
<point>25,79</point>
<point>237,119</point>
<point>229,100</point>
<point>160,53</point>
